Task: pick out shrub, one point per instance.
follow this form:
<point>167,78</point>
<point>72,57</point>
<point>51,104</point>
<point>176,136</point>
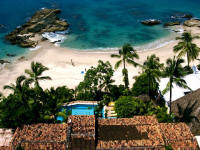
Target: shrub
<point>188,70</point>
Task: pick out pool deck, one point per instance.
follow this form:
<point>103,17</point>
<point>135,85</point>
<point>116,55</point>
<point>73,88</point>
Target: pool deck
<point>81,102</point>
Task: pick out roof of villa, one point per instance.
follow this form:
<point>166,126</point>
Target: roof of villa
<point>139,132</point>
<point>83,132</point>
<point>81,102</point>
<point>5,138</point>
<point>178,135</point>
<point>41,136</point>
<point>143,132</point>
<point>184,101</point>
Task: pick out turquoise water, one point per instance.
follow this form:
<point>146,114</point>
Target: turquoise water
<point>98,23</point>
<point>79,109</point>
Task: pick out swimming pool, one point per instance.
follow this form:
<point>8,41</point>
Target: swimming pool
<point>79,109</point>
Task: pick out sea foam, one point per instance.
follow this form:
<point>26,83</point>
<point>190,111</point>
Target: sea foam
<point>56,38</point>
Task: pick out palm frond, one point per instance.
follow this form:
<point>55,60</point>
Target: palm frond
<point>118,63</point>
<point>167,88</point>
<point>115,56</point>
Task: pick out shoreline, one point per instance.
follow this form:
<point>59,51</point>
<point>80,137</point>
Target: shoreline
<point>63,73</point>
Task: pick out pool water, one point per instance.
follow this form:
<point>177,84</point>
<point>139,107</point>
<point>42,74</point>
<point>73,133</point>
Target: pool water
<point>79,109</point>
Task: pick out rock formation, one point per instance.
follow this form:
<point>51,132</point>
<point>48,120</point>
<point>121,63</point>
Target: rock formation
<point>192,23</point>
<point>44,20</point>
<point>151,22</point>
<point>172,23</point>
<point>4,61</point>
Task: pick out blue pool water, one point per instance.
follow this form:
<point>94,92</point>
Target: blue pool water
<point>98,23</point>
<point>79,109</point>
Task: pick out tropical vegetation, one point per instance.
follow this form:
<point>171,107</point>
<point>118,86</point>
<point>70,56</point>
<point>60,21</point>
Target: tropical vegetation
<point>175,72</point>
<point>187,47</point>
<point>29,103</point>
<point>127,55</point>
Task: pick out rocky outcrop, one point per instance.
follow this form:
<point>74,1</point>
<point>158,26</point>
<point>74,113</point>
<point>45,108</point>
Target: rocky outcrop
<point>10,55</point>
<point>45,20</point>
<point>192,23</point>
<point>4,61</point>
<point>180,15</point>
<point>151,22</point>
<point>172,23</point>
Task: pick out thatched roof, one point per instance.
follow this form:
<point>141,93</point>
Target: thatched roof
<point>183,102</point>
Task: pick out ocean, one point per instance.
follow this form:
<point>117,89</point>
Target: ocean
<point>99,24</point>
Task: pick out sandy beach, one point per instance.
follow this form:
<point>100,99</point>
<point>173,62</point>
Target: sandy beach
<point>63,73</point>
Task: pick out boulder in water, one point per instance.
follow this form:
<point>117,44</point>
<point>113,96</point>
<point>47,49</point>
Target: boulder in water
<point>172,23</point>
<point>151,22</point>
<point>10,55</point>
<point>4,61</point>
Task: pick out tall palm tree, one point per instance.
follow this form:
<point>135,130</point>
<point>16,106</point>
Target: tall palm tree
<point>20,88</point>
<point>127,55</point>
<point>35,73</point>
<point>19,85</point>
<point>185,115</point>
<point>152,68</point>
<point>175,72</point>
<point>186,47</point>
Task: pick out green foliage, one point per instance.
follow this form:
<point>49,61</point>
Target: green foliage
<point>19,148</point>
<point>140,87</point>
<point>128,106</point>
<point>97,82</point>
<point>152,68</point>
<point>35,73</point>
<point>175,72</point>
<point>168,147</point>
<point>127,55</point>
<point>32,104</point>
<point>198,66</point>
<point>188,70</point>
<point>186,47</point>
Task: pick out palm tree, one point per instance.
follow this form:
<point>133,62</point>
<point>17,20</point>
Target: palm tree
<point>185,115</point>
<point>35,73</point>
<point>20,88</point>
<point>152,68</point>
<point>19,85</point>
<point>127,55</point>
<point>186,47</point>
<point>175,72</point>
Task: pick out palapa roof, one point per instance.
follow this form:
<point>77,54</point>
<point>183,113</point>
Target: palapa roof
<point>183,102</point>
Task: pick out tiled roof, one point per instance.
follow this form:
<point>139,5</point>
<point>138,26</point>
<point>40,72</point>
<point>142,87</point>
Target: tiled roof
<point>5,137</point>
<point>178,135</point>
<point>83,132</point>
<point>139,131</point>
<point>41,136</point>
<point>136,120</point>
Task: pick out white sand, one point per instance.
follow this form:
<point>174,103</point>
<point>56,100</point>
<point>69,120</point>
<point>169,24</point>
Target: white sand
<point>58,60</point>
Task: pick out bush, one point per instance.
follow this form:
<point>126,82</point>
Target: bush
<point>188,70</point>
<point>198,66</point>
<point>141,86</point>
<point>128,106</point>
